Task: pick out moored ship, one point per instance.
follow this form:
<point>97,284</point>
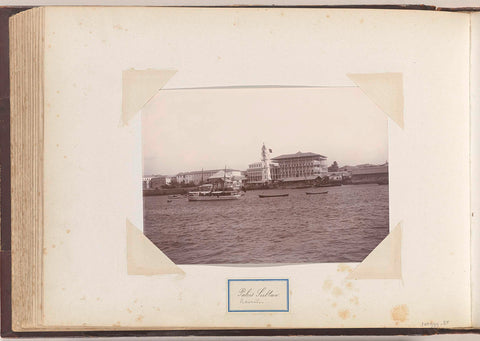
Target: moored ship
<point>208,193</point>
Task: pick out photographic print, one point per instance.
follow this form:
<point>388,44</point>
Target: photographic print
<point>266,175</point>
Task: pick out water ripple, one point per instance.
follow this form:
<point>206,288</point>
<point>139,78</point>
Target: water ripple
<point>341,226</point>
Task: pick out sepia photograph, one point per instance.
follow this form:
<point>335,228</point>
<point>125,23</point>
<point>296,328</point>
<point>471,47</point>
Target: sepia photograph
<point>265,175</point>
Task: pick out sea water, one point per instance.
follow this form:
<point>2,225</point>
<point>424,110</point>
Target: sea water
<point>344,225</point>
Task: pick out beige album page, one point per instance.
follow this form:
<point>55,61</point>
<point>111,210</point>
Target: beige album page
<point>250,110</point>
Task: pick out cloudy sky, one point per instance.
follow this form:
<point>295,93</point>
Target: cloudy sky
<point>186,130</point>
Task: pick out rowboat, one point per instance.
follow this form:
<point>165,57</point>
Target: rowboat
<point>272,195</point>
<point>311,193</point>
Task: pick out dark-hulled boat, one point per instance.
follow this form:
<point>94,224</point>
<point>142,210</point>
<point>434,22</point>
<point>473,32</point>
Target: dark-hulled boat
<point>272,195</point>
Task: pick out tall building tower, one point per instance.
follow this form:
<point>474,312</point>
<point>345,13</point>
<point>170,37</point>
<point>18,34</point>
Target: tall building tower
<point>266,175</point>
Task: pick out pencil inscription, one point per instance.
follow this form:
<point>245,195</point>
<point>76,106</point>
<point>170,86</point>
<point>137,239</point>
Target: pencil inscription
<point>263,292</point>
<point>258,295</point>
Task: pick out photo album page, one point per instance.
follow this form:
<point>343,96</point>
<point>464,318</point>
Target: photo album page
<point>256,168</point>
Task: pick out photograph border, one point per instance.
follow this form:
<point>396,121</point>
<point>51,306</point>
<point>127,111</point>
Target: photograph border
<point>389,109</point>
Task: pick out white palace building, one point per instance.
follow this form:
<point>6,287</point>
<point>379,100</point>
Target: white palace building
<point>301,165</point>
<point>288,166</point>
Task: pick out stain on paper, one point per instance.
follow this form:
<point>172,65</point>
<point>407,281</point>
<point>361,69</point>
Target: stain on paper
<point>327,284</point>
<point>354,300</point>
<point>344,268</point>
<point>344,314</point>
<point>400,313</point>
<point>337,291</point>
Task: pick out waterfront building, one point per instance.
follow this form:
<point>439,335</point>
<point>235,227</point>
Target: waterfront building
<point>275,171</point>
<point>230,177</point>
<point>157,182</point>
<point>146,181</point>
<point>370,174</point>
<point>199,176</point>
<point>301,165</point>
<point>255,172</point>
<point>299,182</point>
<point>264,171</point>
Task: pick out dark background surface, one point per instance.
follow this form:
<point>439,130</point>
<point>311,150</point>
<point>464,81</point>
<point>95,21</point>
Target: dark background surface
<point>5,189</point>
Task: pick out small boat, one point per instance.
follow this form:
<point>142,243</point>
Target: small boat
<point>311,193</point>
<point>169,200</point>
<point>175,196</point>
<point>272,195</point>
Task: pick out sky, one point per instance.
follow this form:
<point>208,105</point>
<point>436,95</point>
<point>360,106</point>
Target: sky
<point>194,129</point>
